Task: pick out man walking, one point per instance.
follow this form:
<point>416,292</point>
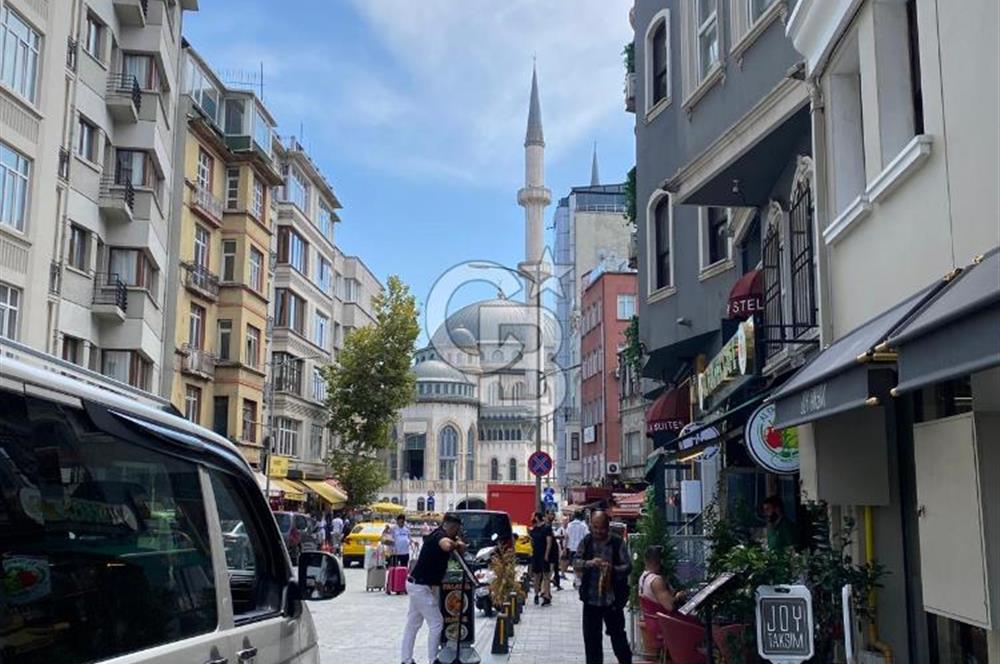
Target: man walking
<point>541,552</point>
<point>558,543</point>
<point>575,532</point>
<point>423,587</point>
<point>336,533</point>
<point>602,565</point>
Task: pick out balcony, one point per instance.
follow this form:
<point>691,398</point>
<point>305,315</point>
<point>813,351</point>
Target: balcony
<point>110,296</point>
<point>117,199</point>
<point>201,281</point>
<point>132,13</point>
<point>630,85</point>
<point>197,362</point>
<point>124,97</point>
<point>204,204</point>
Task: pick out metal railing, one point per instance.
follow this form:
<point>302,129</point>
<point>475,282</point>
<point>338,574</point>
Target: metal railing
<point>64,161</point>
<point>128,85</point>
<point>802,273</point>
<point>72,50</point>
<point>203,199</point>
<point>110,289</point>
<point>197,360</point>
<point>691,557</point>
<point>200,278</point>
<point>119,187</point>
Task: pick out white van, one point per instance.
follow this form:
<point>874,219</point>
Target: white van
<point>111,536</point>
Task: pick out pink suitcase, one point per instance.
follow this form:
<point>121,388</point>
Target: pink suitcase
<point>395,581</point>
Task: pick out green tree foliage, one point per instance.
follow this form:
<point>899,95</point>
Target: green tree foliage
<point>371,381</point>
<point>652,531</point>
<point>630,209</point>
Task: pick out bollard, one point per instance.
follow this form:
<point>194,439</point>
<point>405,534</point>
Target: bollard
<point>501,634</point>
<point>511,610</point>
<point>515,605</point>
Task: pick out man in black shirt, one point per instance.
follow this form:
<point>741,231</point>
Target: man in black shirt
<point>542,543</point>
<point>602,565</point>
<point>423,587</point>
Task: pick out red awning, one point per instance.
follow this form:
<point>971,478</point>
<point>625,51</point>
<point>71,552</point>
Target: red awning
<point>670,412</point>
<point>747,296</point>
<point>630,500</point>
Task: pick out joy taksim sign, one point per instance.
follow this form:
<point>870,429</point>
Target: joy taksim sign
<point>734,359</point>
<point>784,624</point>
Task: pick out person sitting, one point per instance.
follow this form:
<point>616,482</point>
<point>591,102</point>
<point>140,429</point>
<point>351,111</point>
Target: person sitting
<point>652,585</point>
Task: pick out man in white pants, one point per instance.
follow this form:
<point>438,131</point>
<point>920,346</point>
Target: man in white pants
<point>424,586</point>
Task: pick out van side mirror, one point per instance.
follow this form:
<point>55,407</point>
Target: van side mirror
<point>320,576</point>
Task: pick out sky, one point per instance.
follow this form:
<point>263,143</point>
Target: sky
<point>416,112</point>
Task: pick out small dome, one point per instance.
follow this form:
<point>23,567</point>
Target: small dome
<point>436,370</point>
<point>464,340</point>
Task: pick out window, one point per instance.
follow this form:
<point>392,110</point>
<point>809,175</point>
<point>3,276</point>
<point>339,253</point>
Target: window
<point>256,270</point>
<point>316,442</point>
<point>662,230</point>
<point>512,470</point>
<point>220,416</point>
<point>259,196</point>
<point>19,48</point>
<point>203,178</point>
<point>447,453</point>
<point>202,238</point>
<point>324,275</point>
<point>86,140</point>
<point>236,119</point>
<point>233,189</point>
<point>297,189</point>
<point>756,9</point>
<point>286,431</point>
<point>319,385</point>
<point>10,305</point>
<point>470,455</point>
<point>413,455</point>
<point>657,60</point>
<point>192,403</point>
<point>292,249</point>
<point>352,290</point>
<point>249,432</point>
<point>72,349</point>
<point>229,260</point>
<point>326,221</point>
<point>708,36</point>
<point>291,310</point>
<point>225,339</point>
<point>320,326</point>
<point>135,167</point>
<point>199,85</point>
<point>143,67</point>
<point>196,327</point>
<point>78,240</point>
<point>626,307</point>
<point>251,355</point>
<point>136,511</point>
<point>14,172</point>
<point>127,366</point>
<point>287,373</point>
<point>715,235</point>
<point>574,448</point>
<point>262,133</point>
<point>494,470</point>
<point>132,267</point>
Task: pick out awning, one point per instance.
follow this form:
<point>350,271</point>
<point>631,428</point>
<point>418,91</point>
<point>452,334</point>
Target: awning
<point>954,334</point>
<point>670,412</point>
<point>849,374</point>
<point>387,508</point>
<point>330,494</point>
<point>695,432</point>
<point>746,296</point>
<point>289,490</point>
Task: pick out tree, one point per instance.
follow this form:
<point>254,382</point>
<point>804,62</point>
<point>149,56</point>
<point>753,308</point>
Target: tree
<point>369,384</point>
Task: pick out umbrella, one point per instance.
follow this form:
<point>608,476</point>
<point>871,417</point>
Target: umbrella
<point>387,508</point>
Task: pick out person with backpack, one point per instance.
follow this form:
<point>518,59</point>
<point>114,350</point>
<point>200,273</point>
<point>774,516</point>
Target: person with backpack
<point>602,565</point>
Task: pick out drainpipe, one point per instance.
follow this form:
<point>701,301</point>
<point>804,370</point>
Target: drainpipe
<point>873,639</point>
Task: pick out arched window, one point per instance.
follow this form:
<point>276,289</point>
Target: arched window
<point>494,393</point>
<point>494,470</point>
<point>447,453</point>
<point>421,506</point>
<point>470,455</point>
<point>413,455</point>
<point>512,469</point>
<point>657,60</point>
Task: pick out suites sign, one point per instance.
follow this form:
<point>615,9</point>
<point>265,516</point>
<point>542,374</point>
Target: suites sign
<point>734,360</point>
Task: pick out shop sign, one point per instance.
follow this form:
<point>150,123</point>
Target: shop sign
<point>589,434</point>
<point>735,359</point>
<point>776,450</point>
<point>784,624</point>
<point>277,466</point>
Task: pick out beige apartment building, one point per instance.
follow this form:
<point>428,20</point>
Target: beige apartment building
<point>88,96</point>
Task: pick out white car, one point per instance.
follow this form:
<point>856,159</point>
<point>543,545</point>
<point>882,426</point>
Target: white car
<point>112,546</point>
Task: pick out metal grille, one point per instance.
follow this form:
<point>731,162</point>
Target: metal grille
<point>773,315</point>
<point>802,273</point>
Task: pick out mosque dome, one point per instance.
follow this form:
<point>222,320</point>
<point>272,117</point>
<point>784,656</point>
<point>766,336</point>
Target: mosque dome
<point>438,371</point>
<point>491,323</point>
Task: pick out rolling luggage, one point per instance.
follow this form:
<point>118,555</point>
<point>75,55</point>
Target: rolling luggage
<point>396,581</point>
<point>375,579</point>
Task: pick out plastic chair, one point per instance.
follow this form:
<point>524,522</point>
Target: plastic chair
<point>683,637</point>
<point>725,637</point>
<point>653,635</point>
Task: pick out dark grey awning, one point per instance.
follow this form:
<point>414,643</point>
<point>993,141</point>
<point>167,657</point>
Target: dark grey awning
<point>849,373</point>
<point>956,333</point>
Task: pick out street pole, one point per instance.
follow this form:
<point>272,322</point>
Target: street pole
<point>538,375</point>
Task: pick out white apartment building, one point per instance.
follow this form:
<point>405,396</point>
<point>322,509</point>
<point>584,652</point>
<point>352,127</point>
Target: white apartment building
<point>88,95</point>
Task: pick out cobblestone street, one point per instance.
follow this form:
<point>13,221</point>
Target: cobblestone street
<point>365,628</point>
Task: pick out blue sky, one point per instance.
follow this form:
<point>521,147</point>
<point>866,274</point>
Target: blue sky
<point>416,112</point>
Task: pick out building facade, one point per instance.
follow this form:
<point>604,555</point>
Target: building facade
<point>89,94</point>
<point>606,310</point>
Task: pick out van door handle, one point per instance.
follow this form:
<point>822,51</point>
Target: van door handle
<point>218,660</point>
<point>246,654</point>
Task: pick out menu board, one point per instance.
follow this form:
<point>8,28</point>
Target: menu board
<point>457,605</point>
<point>696,600</point>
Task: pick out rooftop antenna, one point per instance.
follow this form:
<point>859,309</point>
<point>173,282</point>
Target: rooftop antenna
<point>262,80</point>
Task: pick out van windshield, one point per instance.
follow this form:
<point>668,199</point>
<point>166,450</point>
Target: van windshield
<point>478,528</point>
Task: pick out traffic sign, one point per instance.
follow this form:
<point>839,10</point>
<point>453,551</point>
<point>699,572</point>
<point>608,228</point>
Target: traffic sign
<point>539,463</point>
<point>784,624</point>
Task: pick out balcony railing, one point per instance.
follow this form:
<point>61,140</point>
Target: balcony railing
<point>126,85</point>
<point>64,161</point>
<point>203,200</point>
<point>200,279</point>
<point>198,361</point>
<point>114,189</point>
<point>109,289</point>
<point>72,49</point>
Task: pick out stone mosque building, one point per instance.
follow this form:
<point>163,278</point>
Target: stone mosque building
<point>473,418</point>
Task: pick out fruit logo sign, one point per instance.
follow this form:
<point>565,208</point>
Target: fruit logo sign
<point>776,450</point>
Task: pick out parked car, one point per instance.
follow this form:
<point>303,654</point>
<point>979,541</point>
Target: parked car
<point>112,517</point>
<point>364,534</point>
<point>522,545</point>
<point>299,532</point>
<point>480,526</point>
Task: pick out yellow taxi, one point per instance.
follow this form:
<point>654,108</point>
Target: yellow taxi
<point>362,535</point>
<point>522,543</point>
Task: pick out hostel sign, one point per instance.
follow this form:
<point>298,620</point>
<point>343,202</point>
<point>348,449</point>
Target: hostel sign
<point>734,360</point>
<point>784,624</point>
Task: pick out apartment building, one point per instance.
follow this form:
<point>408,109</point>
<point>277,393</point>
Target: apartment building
<point>88,98</point>
<point>220,272</point>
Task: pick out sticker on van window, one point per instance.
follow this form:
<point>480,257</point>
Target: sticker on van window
<point>26,579</point>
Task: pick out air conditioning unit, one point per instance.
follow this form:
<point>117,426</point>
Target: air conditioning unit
<point>614,468</point>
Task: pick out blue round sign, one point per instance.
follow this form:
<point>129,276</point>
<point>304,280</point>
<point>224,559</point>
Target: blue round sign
<point>539,463</point>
